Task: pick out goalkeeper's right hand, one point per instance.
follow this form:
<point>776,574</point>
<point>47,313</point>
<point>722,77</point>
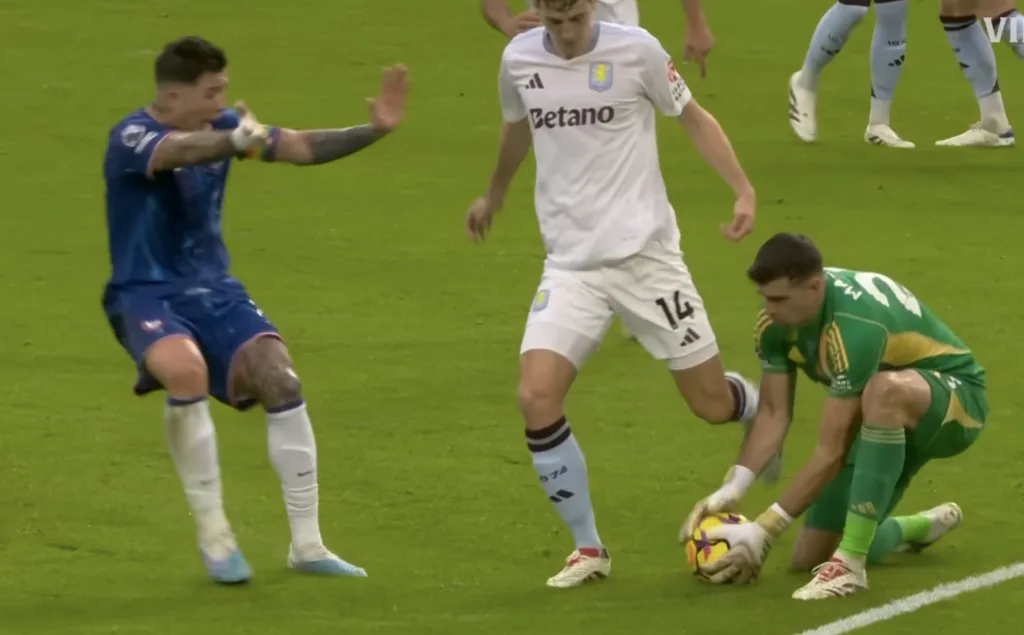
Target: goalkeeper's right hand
<point>250,132</point>
<point>725,499</point>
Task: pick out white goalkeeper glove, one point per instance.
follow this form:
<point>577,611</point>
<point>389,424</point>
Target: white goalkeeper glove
<point>249,132</point>
<point>737,481</point>
<point>749,545</point>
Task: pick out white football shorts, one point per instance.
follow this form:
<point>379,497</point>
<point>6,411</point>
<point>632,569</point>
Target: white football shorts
<point>618,11</point>
<point>652,292</point>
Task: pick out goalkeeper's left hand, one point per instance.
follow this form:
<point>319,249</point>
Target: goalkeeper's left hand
<point>749,544</point>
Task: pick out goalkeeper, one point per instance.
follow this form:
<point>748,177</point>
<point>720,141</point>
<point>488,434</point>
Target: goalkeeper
<point>903,389</point>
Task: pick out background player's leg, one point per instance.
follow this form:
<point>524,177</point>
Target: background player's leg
<point>266,373</point>
<point>178,365</point>
<point>977,60</point>
<point>888,47</point>
<point>828,39</point>
<point>1009,19</point>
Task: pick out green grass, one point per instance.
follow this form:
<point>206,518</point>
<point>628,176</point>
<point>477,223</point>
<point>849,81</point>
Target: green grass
<point>406,335</point>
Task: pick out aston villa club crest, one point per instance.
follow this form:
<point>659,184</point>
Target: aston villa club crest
<point>601,76</point>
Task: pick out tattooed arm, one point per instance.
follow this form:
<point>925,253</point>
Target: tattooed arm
<point>314,147</point>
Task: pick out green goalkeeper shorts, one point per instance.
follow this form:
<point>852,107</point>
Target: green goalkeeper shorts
<point>955,418</point>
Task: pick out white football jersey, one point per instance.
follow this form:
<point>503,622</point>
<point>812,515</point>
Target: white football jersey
<point>599,195</point>
<point>617,11</point>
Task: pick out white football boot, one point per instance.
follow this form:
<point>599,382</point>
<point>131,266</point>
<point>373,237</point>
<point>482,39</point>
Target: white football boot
<point>880,134</point>
<point>838,577</point>
<point>582,566</point>
<point>981,135</point>
<point>944,519</point>
<point>802,102</point>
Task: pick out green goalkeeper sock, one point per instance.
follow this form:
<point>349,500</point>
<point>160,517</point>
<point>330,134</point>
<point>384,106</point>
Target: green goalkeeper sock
<point>895,531</point>
<point>878,467</point>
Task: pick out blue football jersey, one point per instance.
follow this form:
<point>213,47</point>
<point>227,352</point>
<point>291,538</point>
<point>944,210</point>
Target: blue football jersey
<point>162,228</point>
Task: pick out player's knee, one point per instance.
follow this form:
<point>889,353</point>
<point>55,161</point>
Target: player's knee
<point>885,394</point>
<point>267,373</point>
<point>188,379</point>
<point>957,8</point>
<point>713,408</point>
<point>992,8</point>
<point>179,367</point>
<point>544,380</point>
<point>539,402</point>
<point>279,386</point>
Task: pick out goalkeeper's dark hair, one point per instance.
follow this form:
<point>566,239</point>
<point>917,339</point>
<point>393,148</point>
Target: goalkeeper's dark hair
<point>790,256</point>
<point>186,59</point>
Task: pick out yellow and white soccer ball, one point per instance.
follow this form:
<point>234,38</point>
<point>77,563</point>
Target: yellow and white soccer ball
<point>700,551</point>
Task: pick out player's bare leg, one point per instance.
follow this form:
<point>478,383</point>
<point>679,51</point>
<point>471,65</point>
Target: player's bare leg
<point>893,402</point>
<point>829,37</point>
<point>813,548</point>
<point>178,365</point>
<point>977,60</point>
<point>264,370</point>
<point>888,48</point>
<point>717,396</point>
<point>544,381</point>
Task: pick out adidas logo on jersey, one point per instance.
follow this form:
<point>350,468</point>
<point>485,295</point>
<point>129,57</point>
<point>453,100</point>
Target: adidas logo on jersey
<point>535,82</point>
<point>570,117</point>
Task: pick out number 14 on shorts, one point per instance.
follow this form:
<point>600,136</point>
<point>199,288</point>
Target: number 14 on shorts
<point>678,311</point>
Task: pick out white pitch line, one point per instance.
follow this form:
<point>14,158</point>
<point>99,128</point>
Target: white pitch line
<point>920,600</point>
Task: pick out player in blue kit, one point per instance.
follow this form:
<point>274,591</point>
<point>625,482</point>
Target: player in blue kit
<point>189,325</point>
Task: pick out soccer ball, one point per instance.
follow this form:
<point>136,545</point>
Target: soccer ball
<point>701,551</point>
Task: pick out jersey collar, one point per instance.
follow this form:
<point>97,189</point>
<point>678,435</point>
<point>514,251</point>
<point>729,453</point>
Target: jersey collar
<point>594,36</point>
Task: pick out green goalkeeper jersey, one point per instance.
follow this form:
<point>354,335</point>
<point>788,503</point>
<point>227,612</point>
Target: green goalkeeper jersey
<point>867,323</point>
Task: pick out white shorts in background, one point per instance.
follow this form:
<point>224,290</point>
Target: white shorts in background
<point>651,292</point>
<point>618,11</point>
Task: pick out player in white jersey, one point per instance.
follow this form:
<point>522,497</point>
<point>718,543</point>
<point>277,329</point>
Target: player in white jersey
<point>697,45</point>
<point>698,38</point>
<point>585,94</point>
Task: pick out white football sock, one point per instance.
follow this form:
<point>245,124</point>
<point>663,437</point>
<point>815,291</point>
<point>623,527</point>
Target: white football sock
<point>292,449</point>
<point>193,446</point>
